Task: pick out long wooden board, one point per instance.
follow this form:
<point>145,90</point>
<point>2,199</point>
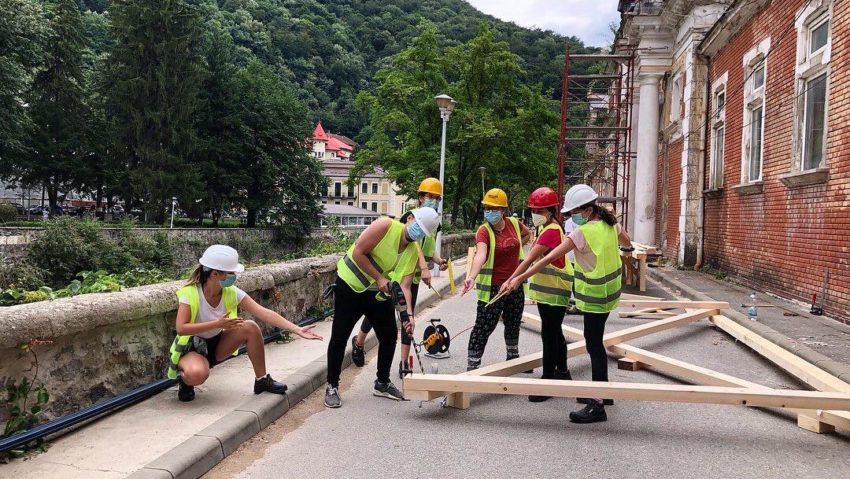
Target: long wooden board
<point>418,386</point>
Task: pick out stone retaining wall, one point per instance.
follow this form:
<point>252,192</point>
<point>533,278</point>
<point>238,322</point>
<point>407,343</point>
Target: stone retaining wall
<point>105,344</point>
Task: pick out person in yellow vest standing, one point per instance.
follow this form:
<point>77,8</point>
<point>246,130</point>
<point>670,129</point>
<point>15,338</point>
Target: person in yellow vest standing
<point>209,328</point>
<point>551,287</point>
<point>598,272</point>
<point>385,252</point>
<point>430,194</point>
<point>498,253</point>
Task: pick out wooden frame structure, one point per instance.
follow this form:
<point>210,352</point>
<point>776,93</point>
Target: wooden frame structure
<point>634,265</point>
<point>819,411</point>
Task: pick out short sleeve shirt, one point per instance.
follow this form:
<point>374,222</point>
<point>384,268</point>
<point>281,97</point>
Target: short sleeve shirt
<point>207,313</point>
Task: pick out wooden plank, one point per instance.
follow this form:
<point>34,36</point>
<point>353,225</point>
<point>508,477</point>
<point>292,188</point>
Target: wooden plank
<point>673,304</point>
<point>639,297</point>
<point>790,362</point>
<point>812,424</point>
<point>424,383</point>
<point>642,274</point>
<point>661,315</point>
<point>627,364</point>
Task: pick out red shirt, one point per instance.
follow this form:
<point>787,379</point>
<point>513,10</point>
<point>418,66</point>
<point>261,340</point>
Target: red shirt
<point>506,258</point>
<point>551,239</point>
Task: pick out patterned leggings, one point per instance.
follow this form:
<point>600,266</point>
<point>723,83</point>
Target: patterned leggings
<point>510,308</point>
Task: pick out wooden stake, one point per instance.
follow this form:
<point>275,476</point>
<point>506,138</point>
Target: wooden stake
<point>627,364</point>
<point>452,285</point>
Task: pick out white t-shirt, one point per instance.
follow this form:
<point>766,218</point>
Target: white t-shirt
<point>584,255</point>
<point>569,227</point>
<point>208,313</point>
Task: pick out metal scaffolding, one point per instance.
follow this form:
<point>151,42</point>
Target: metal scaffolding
<point>595,145</point>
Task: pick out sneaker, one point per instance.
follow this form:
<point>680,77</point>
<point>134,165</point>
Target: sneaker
<point>358,354</point>
<point>607,402</point>
<point>536,398</point>
<point>185,392</point>
<point>593,412</point>
<point>332,399</point>
<point>269,385</point>
<point>563,375</point>
<point>387,390</point>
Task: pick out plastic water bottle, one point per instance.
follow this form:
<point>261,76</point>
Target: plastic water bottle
<point>435,368</point>
<point>753,312</point>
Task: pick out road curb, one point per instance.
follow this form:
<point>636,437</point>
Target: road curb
<point>204,450</point>
<point>842,371</point>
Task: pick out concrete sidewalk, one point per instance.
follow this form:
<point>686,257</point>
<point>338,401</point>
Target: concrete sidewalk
<point>821,341</point>
<point>164,438</point>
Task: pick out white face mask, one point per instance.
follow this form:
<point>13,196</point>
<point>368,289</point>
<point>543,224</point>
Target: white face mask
<point>538,220</point>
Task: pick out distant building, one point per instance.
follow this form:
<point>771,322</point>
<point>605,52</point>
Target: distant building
<point>373,192</point>
<point>347,215</point>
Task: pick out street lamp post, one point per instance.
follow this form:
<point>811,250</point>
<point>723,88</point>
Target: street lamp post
<point>483,192</point>
<point>447,106</point>
<point>173,205</point>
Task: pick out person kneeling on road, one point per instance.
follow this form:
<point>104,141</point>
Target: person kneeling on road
<point>209,328</point>
<point>385,252</point>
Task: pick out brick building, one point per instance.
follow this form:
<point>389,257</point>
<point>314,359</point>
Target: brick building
<point>742,140</point>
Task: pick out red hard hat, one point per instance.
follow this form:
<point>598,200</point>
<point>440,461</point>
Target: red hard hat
<point>543,197</point>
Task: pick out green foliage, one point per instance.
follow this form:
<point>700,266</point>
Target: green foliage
<point>25,401</point>
<point>87,282</point>
<point>20,274</point>
<point>8,213</point>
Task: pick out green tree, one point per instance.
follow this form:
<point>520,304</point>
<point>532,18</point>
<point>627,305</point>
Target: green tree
<point>22,35</point>
<point>499,123</point>
<point>155,72</point>
<point>280,180</point>
<point>56,104</point>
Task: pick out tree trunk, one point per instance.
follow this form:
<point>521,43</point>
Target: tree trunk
<point>252,217</point>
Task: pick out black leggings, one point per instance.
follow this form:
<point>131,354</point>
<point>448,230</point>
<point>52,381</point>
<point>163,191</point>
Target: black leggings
<point>594,329</point>
<point>348,307</point>
<point>554,344</point>
<point>366,325</point>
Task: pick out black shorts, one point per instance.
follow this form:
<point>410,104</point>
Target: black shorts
<point>206,347</point>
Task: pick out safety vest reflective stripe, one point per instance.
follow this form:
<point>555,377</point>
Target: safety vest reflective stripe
<point>182,347</point>
<point>482,286</point>
<point>592,300</point>
<point>598,281</point>
<point>486,271</point>
<point>485,275</point>
<point>545,289</point>
<point>550,271</point>
<point>374,263</point>
<point>357,273</point>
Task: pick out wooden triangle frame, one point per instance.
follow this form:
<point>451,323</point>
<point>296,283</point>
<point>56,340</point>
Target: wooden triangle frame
<point>821,410</point>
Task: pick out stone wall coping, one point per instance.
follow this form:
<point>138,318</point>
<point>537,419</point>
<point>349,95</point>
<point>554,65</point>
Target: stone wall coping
<point>61,317</point>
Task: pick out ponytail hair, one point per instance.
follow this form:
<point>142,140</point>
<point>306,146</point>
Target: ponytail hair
<point>199,276</point>
<point>603,213</point>
<point>556,215</point>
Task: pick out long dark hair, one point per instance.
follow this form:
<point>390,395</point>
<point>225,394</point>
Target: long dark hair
<point>199,275</point>
<point>602,213</point>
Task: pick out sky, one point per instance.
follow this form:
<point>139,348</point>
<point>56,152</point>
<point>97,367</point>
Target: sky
<point>585,19</point>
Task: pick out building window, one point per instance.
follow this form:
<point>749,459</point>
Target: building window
<point>363,204</point>
<point>350,191</point>
<point>350,203</point>
<point>336,202</point>
<point>755,86</point>
<point>385,187</point>
<point>364,188</point>
<point>718,132</point>
<point>383,207</point>
<point>374,188</point>
<point>375,206</point>
<point>814,49</point>
<point>337,189</point>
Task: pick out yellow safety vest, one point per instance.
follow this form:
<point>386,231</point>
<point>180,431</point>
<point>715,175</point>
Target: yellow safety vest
<point>385,257</point>
<point>598,291</point>
<point>484,281</point>
<point>552,285</point>
<point>429,246</point>
<point>182,344</point>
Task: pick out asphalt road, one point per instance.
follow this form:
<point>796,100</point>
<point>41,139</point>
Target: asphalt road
<point>506,436</point>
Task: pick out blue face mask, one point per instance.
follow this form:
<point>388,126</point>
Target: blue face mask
<point>579,219</point>
<point>493,216</point>
<point>229,281</point>
<point>430,203</point>
<point>415,232</point>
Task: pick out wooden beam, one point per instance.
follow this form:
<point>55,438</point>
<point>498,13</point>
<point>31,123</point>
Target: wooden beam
<point>636,297</point>
<point>627,364</point>
<point>673,304</point>
<point>424,383</point>
<point>790,362</point>
<point>659,315</point>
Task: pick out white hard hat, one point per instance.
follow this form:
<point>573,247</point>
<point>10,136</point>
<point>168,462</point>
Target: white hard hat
<point>427,218</point>
<point>221,258</point>
<point>578,195</point>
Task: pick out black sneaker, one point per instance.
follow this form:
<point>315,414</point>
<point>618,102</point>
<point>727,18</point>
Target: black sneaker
<point>332,399</point>
<point>607,402</point>
<point>269,385</point>
<point>185,392</point>
<point>387,390</point>
<point>358,354</point>
<point>563,375</point>
<point>536,398</point>
<point>593,412</point>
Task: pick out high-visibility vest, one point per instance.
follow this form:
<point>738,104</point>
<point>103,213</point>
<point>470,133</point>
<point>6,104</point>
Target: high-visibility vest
<point>598,291</point>
<point>429,246</point>
<point>385,257</point>
<point>484,281</point>
<point>181,343</point>
<point>552,285</point>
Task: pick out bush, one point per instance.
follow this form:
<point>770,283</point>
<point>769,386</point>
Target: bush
<point>20,274</point>
<point>8,213</point>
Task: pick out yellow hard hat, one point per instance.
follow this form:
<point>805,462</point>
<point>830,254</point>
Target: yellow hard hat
<point>431,185</point>
<point>495,197</point>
